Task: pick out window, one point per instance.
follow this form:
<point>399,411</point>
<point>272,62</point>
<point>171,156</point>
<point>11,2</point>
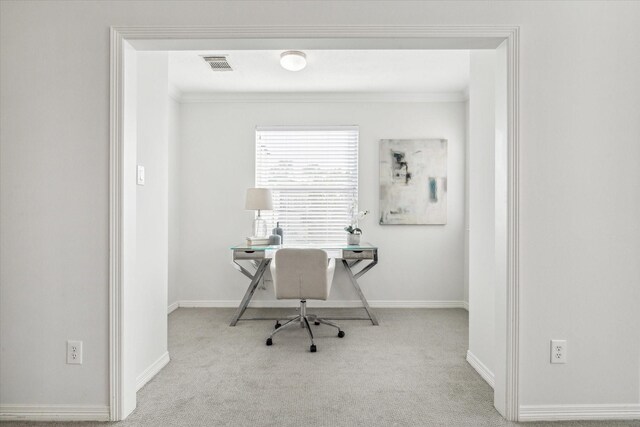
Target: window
<point>313,175</point>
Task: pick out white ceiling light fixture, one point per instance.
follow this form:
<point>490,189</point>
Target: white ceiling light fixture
<point>293,60</point>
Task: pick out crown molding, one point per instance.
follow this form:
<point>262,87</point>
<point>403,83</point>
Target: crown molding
<point>318,97</point>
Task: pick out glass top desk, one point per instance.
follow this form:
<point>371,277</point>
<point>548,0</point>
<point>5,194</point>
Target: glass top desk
<point>260,257</point>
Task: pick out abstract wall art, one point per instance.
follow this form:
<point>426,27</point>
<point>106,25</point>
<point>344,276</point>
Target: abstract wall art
<point>413,181</point>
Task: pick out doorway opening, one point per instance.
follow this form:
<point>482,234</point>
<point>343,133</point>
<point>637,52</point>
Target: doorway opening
<point>503,42</point>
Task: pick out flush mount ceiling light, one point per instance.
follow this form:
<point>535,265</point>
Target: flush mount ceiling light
<point>293,60</point>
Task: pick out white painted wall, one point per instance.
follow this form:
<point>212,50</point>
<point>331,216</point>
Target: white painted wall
<point>217,161</point>
<point>481,210</point>
<point>152,210</point>
<point>579,184</point>
<point>174,201</point>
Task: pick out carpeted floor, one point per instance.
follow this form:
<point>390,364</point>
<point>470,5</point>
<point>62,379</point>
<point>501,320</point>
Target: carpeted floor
<point>409,371</point>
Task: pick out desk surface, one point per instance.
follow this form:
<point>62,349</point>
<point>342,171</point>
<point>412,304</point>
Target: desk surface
<point>328,246</point>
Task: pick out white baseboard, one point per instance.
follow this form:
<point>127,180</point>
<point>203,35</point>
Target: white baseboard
<point>173,306</point>
<point>465,305</point>
<point>321,304</point>
<point>579,412</point>
<point>152,370</point>
<point>54,413</point>
<point>481,368</point>
<point>413,304</point>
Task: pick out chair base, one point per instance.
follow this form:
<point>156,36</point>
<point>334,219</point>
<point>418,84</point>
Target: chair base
<point>303,319</point>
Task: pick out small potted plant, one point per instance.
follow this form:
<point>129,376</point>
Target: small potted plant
<point>353,236</point>
<point>353,232</point>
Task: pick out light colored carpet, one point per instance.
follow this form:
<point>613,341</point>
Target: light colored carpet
<point>409,371</point>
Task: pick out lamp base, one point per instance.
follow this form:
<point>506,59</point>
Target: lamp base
<point>260,227</point>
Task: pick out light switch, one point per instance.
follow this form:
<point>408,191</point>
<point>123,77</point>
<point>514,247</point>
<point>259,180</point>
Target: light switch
<point>140,175</point>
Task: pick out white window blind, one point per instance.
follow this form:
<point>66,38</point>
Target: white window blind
<point>313,175</point>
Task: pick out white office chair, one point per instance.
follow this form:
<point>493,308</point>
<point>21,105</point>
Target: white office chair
<point>302,274</point>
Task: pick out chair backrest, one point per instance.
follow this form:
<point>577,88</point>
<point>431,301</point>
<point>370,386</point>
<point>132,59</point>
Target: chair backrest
<point>302,274</point>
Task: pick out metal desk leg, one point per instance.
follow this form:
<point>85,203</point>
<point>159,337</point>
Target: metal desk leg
<point>255,280</point>
<point>354,282</point>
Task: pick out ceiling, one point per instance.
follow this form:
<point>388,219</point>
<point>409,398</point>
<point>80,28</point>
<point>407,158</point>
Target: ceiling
<point>327,71</point>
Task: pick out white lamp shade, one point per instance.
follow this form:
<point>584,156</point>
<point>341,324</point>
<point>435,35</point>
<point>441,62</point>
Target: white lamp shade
<point>258,199</point>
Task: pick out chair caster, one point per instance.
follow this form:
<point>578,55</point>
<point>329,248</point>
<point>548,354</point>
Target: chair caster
<point>316,323</point>
<point>340,334</point>
<point>269,341</point>
<point>278,325</point>
<point>312,349</point>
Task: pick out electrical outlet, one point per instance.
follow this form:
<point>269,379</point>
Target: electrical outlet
<point>74,352</point>
<point>558,351</point>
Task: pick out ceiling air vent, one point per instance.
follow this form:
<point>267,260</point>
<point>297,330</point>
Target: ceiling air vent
<point>218,63</point>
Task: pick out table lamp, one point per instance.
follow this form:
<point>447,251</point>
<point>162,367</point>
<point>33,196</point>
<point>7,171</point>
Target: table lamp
<point>259,199</point>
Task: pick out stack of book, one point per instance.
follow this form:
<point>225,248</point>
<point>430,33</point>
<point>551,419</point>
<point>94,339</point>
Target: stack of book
<point>257,241</point>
